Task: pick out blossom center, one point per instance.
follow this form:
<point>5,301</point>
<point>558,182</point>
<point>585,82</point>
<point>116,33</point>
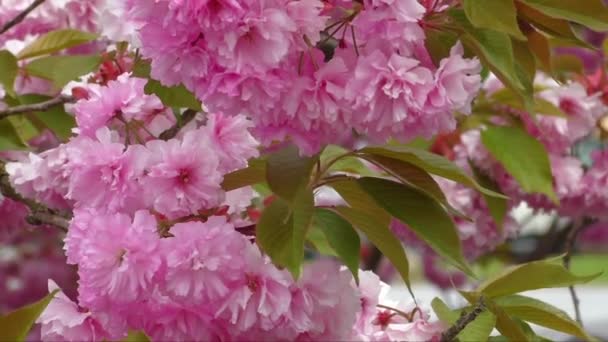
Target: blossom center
<point>184,176</point>
<point>383,318</point>
<point>253,282</point>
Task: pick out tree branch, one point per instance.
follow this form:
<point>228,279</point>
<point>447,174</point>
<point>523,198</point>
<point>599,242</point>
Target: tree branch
<point>463,321</point>
<point>19,18</point>
<point>170,133</point>
<point>570,240</point>
<point>39,213</point>
<point>36,107</point>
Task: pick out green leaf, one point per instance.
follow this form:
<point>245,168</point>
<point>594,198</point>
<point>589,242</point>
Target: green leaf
<point>540,47</point>
<point>439,43</point>
<point>541,106</point>
<point>176,96</point>
<point>287,172</point>
<point>499,15</point>
<point>590,13</point>
<point>430,162</point>
<point>15,325</point>
<point>9,138</point>
<point>24,127</point>
<point>506,325</point>
<point>524,157</point>
<point>341,237</point>
<point>252,174</point>
<point>525,64</point>
<point>443,312</point>
<point>282,228</point>
<point>496,51</point>
<point>319,241</point>
<point>55,118</point>
<point>551,26</point>
<point>63,69</point>
<point>477,330</point>
<point>8,71</point>
<point>136,336</point>
<point>414,176</point>
<point>345,164</point>
<point>498,207</point>
<point>531,276</point>
<point>55,41</point>
<point>374,222</point>
<point>541,313</point>
<point>425,216</point>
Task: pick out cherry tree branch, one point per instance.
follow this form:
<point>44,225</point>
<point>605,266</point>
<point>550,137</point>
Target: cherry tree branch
<point>570,240</point>
<point>39,213</point>
<point>19,18</point>
<point>36,107</point>
<point>462,322</point>
<point>185,119</point>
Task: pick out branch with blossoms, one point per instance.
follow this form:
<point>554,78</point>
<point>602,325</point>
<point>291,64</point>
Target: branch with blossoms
<point>185,119</point>
<point>39,213</point>
<point>36,107</point>
<point>19,17</point>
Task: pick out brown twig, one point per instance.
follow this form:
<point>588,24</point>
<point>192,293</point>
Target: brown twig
<point>19,18</point>
<point>462,322</point>
<point>170,133</point>
<point>570,240</point>
<point>39,213</point>
<point>36,107</point>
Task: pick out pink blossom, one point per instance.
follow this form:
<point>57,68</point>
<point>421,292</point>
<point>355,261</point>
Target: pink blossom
<point>582,110</point>
<point>324,302</point>
<point>259,298</point>
<point>261,39</point>
<point>122,99</point>
<point>203,261</point>
<point>387,91</point>
<point>103,174</point>
<point>372,290</point>
<point>63,320</point>
<point>457,82</point>
<point>166,320</point>
<point>232,141</point>
<point>42,177</point>
<point>180,178</point>
<point>117,259</point>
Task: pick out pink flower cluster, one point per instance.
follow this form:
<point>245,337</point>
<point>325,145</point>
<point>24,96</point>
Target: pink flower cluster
<point>208,282</point>
<point>579,187</point>
<point>158,244</point>
<point>264,59</point>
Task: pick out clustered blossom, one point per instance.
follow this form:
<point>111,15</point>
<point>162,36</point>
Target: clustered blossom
<point>158,245</point>
<point>264,60</point>
<point>579,179</point>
